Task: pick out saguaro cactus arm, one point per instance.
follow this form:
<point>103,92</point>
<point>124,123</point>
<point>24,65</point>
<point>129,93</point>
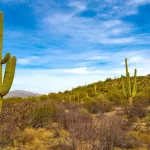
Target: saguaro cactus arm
<point>126,64</point>
<point>5,59</point>
<point>9,75</point>
<point>123,87</point>
<point>134,84</point>
<point>129,84</point>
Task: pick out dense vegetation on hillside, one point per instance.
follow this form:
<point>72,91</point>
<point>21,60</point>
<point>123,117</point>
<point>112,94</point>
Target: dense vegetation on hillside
<point>110,88</point>
<point>92,117</point>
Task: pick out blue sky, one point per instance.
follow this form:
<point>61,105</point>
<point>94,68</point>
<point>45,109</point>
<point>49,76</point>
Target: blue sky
<point>63,44</point>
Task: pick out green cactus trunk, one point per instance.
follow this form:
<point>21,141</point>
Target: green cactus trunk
<point>130,89</point>
<point>6,83</point>
<point>130,101</point>
<point>95,89</point>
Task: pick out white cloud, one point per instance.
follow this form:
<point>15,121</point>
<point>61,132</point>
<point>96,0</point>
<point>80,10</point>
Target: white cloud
<point>124,8</point>
<point>79,5</point>
<point>59,18</point>
<point>26,61</point>
<point>89,29</point>
<point>111,23</point>
<point>138,2</point>
<point>23,61</point>
<point>136,59</point>
<point>95,30</point>
<point>117,40</point>
<point>82,70</point>
<point>99,57</point>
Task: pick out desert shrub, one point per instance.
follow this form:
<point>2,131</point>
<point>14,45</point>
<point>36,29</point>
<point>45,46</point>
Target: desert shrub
<point>72,105</point>
<point>132,140</point>
<point>135,112</point>
<point>13,120</point>
<point>13,100</point>
<point>88,133</point>
<point>116,96</point>
<point>34,139</point>
<point>16,117</point>
<point>144,137</point>
<point>111,132</point>
<point>142,99</point>
<point>83,111</point>
<point>77,122</point>
<point>42,114</point>
<point>95,107</point>
<point>62,146</point>
<point>32,98</point>
<point>103,134</point>
<point>108,80</point>
<point>147,123</point>
<point>55,96</point>
<point>99,104</point>
<point>70,114</point>
<point>43,97</point>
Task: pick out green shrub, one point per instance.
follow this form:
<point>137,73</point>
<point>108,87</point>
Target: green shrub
<point>99,104</point>
<point>116,97</point>
<point>55,96</point>
<point>42,114</point>
<point>142,99</point>
<point>43,97</point>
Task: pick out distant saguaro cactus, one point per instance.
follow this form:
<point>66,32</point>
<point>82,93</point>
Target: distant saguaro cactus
<point>130,89</point>
<point>5,84</point>
<point>86,95</point>
<point>95,89</point>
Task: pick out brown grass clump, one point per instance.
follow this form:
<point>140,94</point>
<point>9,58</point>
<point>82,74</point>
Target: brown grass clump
<point>35,139</point>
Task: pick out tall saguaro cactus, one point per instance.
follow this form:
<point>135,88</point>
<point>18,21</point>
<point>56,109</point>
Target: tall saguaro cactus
<point>6,82</point>
<point>130,89</point>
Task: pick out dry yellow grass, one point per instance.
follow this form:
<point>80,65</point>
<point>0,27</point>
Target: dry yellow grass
<point>34,139</point>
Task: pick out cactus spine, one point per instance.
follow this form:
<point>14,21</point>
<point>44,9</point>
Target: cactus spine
<point>130,89</point>
<point>5,84</point>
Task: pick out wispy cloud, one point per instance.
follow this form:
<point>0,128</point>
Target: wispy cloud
<point>80,6</point>
<point>89,30</point>
<point>14,1</point>
<point>81,70</point>
<point>26,61</point>
<point>117,40</point>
